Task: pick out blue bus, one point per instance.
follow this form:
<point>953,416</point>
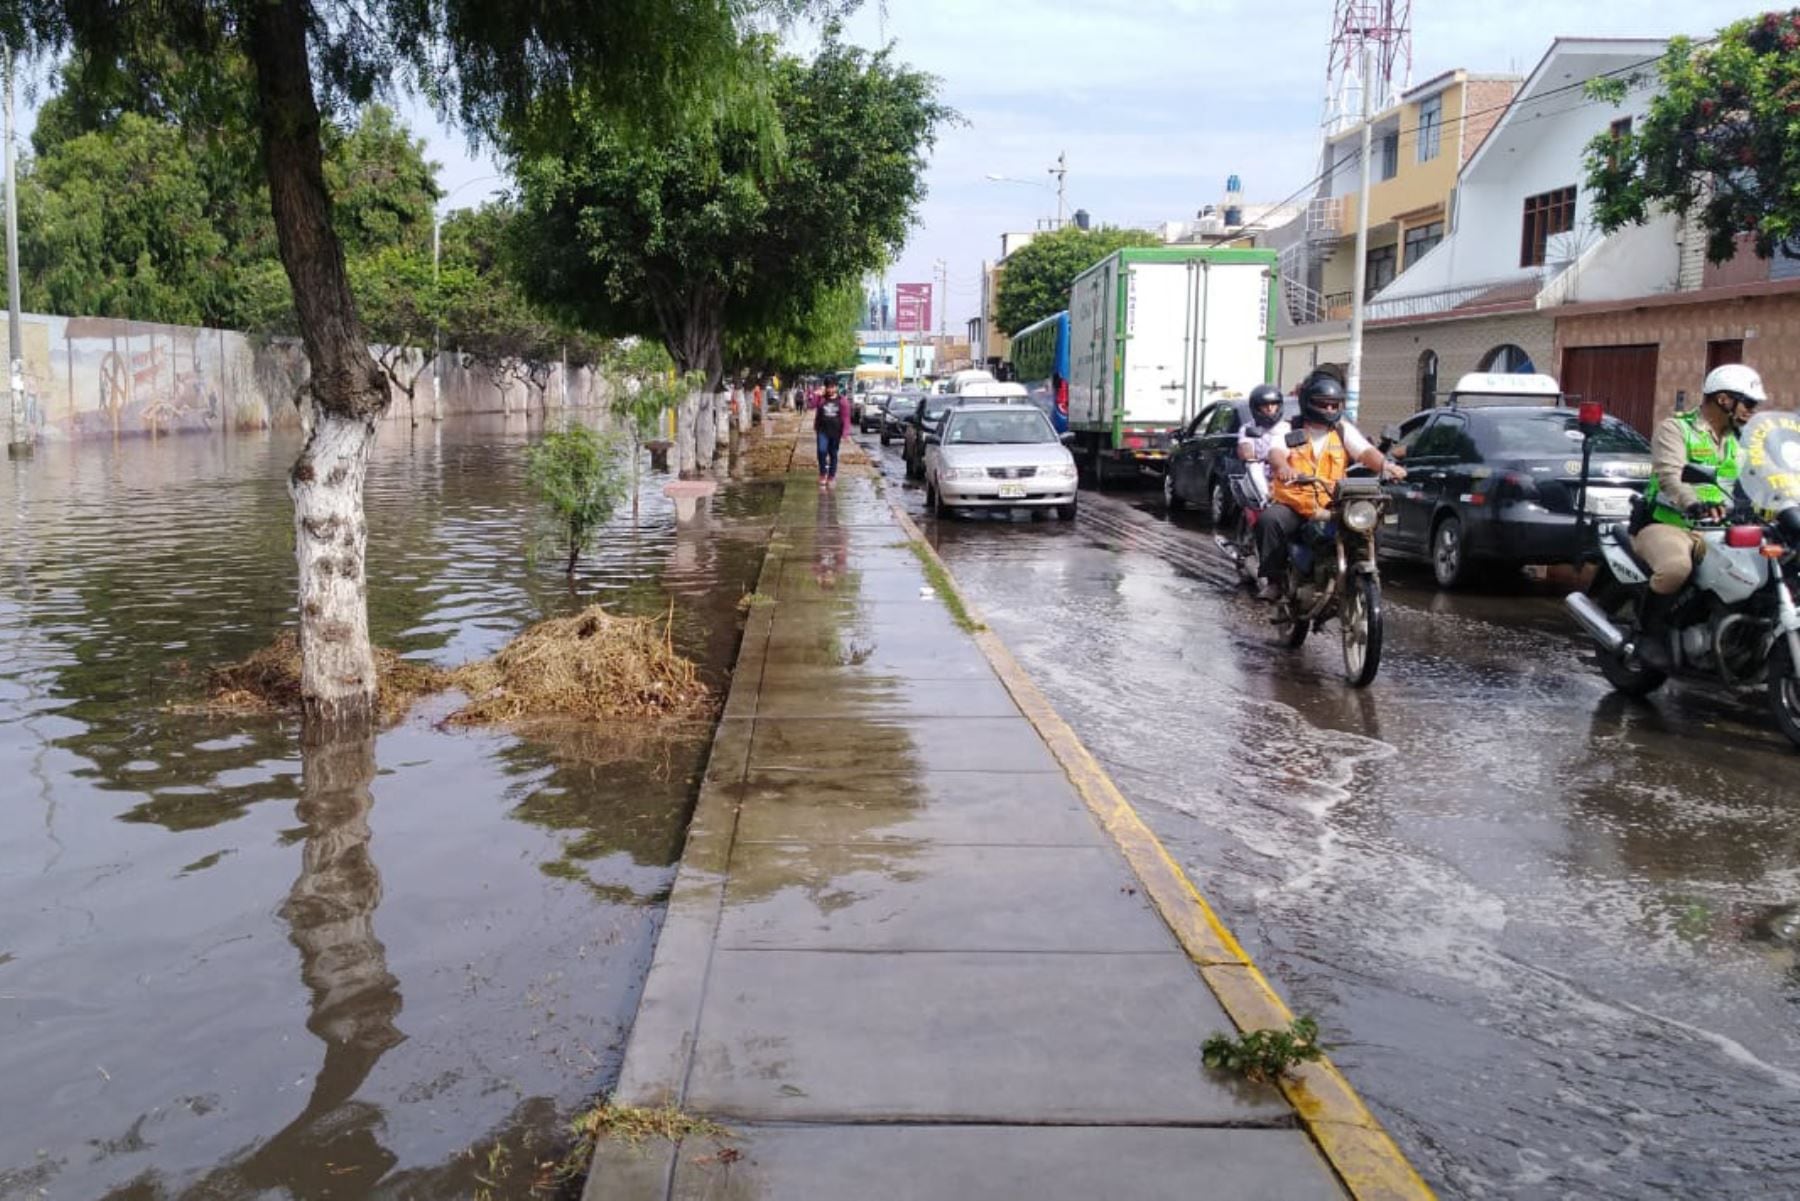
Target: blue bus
<point>1040,359</point>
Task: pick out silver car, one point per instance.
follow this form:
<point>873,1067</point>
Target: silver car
<point>998,456</point>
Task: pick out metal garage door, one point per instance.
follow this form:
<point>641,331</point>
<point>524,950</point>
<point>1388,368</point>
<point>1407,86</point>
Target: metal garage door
<point>1622,378</point>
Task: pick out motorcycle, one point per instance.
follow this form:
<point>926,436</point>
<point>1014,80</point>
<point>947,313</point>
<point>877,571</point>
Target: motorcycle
<point>1332,574</point>
<point>1249,493</point>
<point>1735,621</point>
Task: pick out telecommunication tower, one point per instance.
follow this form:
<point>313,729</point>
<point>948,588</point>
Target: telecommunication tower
<point>1372,37</point>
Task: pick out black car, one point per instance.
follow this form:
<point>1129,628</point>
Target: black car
<point>896,411</point>
<point>1500,485</point>
<point>927,418</point>
<point>1204,458</point>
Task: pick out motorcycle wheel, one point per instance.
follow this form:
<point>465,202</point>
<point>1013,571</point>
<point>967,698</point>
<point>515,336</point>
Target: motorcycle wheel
<point>1360,620</point>
<point>1292,630</point>
<point>1625,674</point>
<point>1784,694</point>
<point>1243,540</point>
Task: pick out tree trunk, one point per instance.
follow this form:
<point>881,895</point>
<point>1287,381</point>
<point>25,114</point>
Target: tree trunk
<point>337,682</point>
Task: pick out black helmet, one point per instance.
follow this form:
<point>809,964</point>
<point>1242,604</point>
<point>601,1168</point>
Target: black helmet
<point>1265,405</point>
<point>1321,388</point>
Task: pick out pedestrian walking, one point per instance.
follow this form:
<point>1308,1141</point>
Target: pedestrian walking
<point>831,421</point>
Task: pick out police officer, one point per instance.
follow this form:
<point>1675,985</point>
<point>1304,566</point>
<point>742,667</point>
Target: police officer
<point>1706,437</point>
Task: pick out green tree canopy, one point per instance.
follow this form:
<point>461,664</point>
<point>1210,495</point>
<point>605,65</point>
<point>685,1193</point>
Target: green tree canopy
<point>1722,134</point>
<point>1037,277</point>
<point>685,238</point>
<point>809,331</point>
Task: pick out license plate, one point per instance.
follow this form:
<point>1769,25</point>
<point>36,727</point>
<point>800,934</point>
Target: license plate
<point>1609,505</point>
<point>1012,491</point>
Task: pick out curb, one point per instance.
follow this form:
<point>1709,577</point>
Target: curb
<point>1365,1157</point>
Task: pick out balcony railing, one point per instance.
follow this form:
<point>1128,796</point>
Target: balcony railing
<point>1512,291</point>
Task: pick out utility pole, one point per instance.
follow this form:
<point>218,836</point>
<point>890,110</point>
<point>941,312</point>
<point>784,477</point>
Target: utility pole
<point>1061,171</point>
<point>18,445</point>
<point>943,297</point>
<point>1353,385</point>
<point>437,320</point>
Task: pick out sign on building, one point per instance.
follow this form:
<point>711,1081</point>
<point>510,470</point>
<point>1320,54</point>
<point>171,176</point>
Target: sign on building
<point>912,308</point>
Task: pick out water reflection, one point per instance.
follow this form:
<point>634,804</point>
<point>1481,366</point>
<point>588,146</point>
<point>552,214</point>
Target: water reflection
<point>155,885</point>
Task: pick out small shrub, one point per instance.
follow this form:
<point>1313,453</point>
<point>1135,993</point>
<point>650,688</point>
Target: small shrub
<point>1263,1056</point>
<point>577,473</point>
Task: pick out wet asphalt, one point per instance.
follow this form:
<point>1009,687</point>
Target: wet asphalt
<point>1546,930</point>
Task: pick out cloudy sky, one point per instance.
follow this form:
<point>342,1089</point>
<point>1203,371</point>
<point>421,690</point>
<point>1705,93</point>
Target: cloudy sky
<point>1155,102</point>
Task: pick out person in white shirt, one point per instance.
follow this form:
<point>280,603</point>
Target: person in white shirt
<point>1256,437</point>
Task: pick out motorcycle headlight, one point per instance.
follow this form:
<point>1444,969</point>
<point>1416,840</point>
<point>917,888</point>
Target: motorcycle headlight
<point>1361,515</point>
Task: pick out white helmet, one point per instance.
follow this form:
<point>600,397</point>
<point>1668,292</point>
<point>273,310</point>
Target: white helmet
<point>1737,379</point>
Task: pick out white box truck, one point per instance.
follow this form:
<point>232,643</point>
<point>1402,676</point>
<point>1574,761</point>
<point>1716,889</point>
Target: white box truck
<point>1157,333</point>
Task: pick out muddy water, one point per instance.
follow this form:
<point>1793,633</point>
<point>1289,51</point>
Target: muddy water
<point>1552,936</point>
<point>228,969</point>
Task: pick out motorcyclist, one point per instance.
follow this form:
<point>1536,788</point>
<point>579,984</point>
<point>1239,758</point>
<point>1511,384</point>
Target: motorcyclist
<point>1706,437</point>
<point>1330,446</point>
<point>1256,437</point>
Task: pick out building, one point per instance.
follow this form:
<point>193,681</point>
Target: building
<point>987,342</point>
<point>885,346</point>
<point>1525,281</point>
<point>1419,147</point>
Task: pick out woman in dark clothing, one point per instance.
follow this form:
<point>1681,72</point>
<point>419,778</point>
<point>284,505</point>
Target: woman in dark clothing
<point>831,421</point>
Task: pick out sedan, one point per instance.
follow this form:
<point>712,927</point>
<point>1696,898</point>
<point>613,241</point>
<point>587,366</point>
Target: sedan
<point>869,410</point>
<point>923,422</point>
<point>1501,486</point>
<point>1205,458</point>
<point>998,456</point>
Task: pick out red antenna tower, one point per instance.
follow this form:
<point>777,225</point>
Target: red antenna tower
<point>1381,29</point>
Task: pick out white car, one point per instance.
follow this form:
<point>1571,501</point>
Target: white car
<point>991,455</point>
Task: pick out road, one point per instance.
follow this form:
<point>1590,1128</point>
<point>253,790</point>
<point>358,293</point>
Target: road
<point>1548,933</point>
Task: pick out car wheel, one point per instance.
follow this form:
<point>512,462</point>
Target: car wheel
<point>1171,499</point>
<point>1449,556</point>
<point>1218,502</point>
<point>935,499</point>
<point>1066,512</point>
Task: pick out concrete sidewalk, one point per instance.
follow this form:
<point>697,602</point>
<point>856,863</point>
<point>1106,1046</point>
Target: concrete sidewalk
<point>904,957</point>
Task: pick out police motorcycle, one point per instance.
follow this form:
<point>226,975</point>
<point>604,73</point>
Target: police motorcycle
<point>1332,573</point>
<point>1735,622</point>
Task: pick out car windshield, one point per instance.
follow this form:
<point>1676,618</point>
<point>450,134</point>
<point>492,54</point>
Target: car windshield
<point>935,407</point>
<point>1555,433</point>
<point>1019,427</point>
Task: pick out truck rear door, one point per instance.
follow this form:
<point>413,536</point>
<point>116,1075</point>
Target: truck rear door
<point>1158,310</point>
<point>1231,352</point>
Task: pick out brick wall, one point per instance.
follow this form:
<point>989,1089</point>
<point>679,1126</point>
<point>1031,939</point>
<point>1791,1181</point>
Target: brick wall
<point>1390,390</point>
<point>1487,99</point>
<point>1768,325</point>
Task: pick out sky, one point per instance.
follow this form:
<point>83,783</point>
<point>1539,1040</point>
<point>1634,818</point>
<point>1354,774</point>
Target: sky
<point>1154,102</point>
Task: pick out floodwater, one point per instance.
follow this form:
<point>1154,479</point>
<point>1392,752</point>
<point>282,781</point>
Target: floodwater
<point>231,968</point>
<point>1552,936</point>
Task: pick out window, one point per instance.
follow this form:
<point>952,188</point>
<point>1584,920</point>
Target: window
<point>1381,270</point>
<point>1507,359</point>
<point>1409,437</point>
<point>1545,214</point>
<point>1448,438</point>
<point>1428,371</point>
<point>1421,238</point>
<point>1725,350</point>
<point>1390,155</point>
<point>1224,421</point>
<point>1620,128</point>
<point>1431,128</point>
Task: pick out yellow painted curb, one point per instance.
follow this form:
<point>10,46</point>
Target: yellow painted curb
<point>1364,1156</point>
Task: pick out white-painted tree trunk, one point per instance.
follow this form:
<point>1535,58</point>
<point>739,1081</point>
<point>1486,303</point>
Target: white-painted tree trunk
<point>687,435</point>
<point>337,664</point>
<point>706,443</point>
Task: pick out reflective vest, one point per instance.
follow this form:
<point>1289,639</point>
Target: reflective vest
<point>1702,452</point>
<point>1329,465</point>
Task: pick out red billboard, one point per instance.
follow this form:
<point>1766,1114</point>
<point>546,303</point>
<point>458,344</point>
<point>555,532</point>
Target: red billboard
<point>912,308</point>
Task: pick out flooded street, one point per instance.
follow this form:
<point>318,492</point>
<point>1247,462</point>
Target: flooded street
<point>1548,934</point>
<point>231,969</point>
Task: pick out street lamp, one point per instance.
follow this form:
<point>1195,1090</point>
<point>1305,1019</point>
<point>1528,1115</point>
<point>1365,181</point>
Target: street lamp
<point>437,321</point>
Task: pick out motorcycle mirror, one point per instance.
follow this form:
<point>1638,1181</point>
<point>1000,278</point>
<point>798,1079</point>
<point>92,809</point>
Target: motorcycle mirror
<point>1296,438</point>
<point>1692,474</point>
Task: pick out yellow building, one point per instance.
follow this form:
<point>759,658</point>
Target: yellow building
<point>1417,147</point>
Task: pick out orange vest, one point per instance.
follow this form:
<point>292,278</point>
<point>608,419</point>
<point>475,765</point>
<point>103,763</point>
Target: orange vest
<point>1328,466</point>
